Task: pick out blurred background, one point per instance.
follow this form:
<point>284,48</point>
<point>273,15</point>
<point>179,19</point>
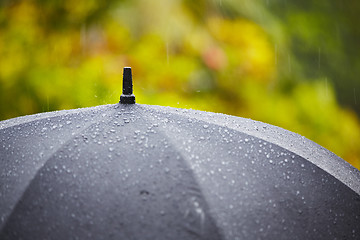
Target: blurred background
<point>294,64</point>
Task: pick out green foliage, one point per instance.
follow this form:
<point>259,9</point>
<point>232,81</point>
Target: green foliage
<point>325,37</point>
<point>232,57</point>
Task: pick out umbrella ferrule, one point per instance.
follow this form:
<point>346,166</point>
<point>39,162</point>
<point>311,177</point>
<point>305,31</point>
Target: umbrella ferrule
<point>127,96</point>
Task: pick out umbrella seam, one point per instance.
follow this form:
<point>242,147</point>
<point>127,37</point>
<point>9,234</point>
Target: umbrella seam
<point>195,178</point>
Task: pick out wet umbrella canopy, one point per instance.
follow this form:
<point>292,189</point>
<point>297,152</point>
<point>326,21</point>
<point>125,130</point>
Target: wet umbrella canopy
<point>133,171</point>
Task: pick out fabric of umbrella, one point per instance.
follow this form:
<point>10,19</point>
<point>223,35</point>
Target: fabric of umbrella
<point>134,171</point>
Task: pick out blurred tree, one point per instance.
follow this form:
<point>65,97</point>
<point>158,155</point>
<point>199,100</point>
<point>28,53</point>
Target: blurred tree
<point>325,38</point>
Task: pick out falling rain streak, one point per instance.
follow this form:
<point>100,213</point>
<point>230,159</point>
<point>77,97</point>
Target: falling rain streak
<point>319,57</point>
<point>289,61</point>
<point>83,38</point>
<point>47,102</point>
<point>355,96</point>
<point>167,53</point>
<point>326,88</point>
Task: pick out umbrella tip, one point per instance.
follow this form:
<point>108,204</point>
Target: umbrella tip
<point>127,96</point>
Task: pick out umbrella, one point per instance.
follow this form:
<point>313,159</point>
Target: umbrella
<point>134,171</point>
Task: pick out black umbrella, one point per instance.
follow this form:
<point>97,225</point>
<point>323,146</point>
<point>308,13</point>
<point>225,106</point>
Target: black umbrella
<point>134,171</point>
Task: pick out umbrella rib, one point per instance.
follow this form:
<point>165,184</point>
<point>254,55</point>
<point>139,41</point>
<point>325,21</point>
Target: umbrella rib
<point>196,189</point>
<point>40,168</point>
